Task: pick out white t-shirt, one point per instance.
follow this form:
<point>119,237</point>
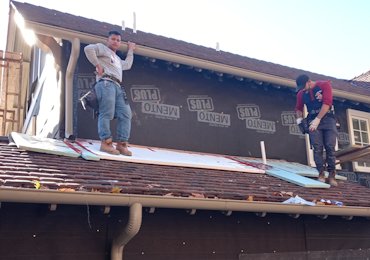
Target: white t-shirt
<point>108,59</point>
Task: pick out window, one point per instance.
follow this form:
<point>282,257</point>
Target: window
<point>359,132</point>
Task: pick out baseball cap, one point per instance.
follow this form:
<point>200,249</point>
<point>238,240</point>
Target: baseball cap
<point>301,81</point>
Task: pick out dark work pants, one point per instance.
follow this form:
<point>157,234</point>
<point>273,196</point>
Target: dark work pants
<point>324,136</point>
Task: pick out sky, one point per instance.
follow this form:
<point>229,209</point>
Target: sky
<point>329,37</point>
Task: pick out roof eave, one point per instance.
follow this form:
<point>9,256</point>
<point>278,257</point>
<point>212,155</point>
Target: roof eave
<point>182,59</point>
<point>17,195</point>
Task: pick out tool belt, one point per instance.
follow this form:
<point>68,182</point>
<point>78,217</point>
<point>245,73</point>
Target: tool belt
<point>109,77</point>
<point>90,99</point>
<point>313,113</point>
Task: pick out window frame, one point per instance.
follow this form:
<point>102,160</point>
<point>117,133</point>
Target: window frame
<point>361,115</point>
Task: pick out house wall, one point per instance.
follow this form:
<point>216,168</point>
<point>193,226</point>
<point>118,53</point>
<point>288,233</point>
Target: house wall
<point>184,109</point>
<point>32,231</point>
<point>181,108</point>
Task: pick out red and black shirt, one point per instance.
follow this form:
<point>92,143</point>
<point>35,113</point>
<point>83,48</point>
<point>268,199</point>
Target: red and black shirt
<point>315,97</point>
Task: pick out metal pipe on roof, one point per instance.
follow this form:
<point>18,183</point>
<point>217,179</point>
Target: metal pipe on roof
<point>263,152</point>
<point>186,60</point>
<point>131,229</point>
<point>110,199</point>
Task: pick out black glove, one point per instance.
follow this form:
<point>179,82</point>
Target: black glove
<point>303,125</point>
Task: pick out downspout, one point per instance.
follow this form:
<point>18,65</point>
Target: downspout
<point>131,229</point>
<point>75,52</point>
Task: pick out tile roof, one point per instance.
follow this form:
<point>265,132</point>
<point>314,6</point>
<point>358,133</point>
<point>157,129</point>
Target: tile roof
<point>25,169</point>
<point>67,21</point>
<point>363,80</point>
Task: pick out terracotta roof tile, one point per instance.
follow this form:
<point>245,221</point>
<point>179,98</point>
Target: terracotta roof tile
<point>17,170</point>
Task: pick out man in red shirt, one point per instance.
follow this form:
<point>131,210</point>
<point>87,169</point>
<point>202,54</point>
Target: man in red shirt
<point>318,98</point>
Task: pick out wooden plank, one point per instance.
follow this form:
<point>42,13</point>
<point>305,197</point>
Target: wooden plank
<point>350,149</point>
<point>354,153</point>
<point>296,179</point>
<point>42,145</point>
<point>170,157</point>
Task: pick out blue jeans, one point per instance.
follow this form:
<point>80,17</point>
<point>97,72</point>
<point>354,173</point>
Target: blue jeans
<point>324,136</point>
<point>113,104</point>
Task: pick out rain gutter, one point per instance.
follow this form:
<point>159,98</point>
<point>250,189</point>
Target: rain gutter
<point>186,60</point>
<point>109,199</point>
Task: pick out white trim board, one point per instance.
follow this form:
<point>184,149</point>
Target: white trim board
<point>42,145</point>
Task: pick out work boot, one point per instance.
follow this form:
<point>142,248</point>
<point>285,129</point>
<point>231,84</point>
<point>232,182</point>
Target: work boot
<point>107,146</point>
<point>122,148</point>
<point>321,176</point>
<point>332,180</point>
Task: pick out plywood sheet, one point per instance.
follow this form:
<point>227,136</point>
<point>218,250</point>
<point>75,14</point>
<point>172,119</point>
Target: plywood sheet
<point>160,156</point>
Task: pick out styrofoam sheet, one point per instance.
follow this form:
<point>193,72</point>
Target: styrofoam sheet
<point>296,179</point>
<point>293,167</point>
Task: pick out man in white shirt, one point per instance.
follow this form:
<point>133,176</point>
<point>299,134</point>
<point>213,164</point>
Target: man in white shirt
<point>111,96</point>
